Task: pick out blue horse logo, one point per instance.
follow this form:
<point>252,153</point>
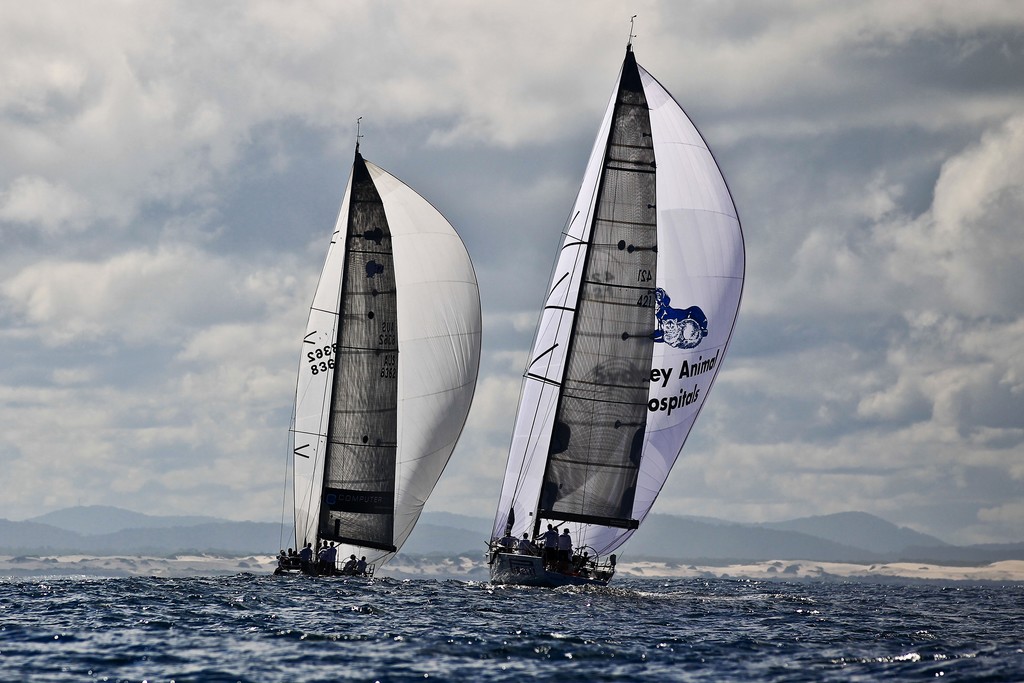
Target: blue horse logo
<point>681,328</point>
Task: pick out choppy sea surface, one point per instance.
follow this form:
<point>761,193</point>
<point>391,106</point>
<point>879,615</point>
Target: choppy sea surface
<point>264,628</point>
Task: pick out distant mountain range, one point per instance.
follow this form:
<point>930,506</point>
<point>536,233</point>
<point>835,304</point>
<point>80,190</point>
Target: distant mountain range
<point>845,537</point>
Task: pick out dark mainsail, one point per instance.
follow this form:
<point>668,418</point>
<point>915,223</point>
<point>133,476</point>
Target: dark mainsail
<point>597,438</point>
<point>362,434</point>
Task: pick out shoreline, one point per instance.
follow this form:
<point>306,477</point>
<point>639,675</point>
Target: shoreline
<point>467,569</point>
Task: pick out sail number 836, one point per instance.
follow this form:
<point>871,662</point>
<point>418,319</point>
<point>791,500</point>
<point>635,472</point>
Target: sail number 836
<point>322,359</point>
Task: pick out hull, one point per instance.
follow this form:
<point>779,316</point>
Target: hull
<point>294,568</point>
<point>513,569</point>
<point>295,572</point>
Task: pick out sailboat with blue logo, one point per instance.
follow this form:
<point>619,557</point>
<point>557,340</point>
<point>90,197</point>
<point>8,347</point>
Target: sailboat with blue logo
<point>633,332</point>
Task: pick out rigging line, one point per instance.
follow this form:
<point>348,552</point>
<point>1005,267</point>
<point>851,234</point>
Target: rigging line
<point>284,494</point>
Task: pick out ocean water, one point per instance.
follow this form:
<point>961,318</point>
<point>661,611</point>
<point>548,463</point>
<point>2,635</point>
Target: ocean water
<point>263,628</point>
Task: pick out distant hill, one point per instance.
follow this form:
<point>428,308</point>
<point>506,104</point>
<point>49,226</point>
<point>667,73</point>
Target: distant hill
<point>860,530</point>
<point>971,554</point>
<point>681,538</point>
<point>477,525</point>
<point>104,519</point>
<point>103,529</point>
<point>22,537</point>
<point>444,533</point>
<point>222,538</point>
<point>847,537</point>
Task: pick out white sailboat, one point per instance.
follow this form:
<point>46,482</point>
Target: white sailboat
<point>636,324</point>
<point>387,371</point>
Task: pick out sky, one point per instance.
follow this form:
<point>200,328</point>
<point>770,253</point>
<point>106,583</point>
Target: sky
<point>170,174</point>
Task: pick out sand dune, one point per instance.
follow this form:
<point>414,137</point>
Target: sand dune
<point>1007,571</point>
<point>87,565</point>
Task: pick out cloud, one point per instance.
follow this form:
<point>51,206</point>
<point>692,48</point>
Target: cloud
<point>168,185</point>
<point>904,365</point>
<point>34,201</point>
<point>151,296</point>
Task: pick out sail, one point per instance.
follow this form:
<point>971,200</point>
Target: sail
<point>635,325</point>
<point>388,368</point>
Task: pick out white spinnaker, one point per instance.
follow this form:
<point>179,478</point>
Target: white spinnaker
<point>439,335</point>
<point>313,391</point>
<point>700,262</point>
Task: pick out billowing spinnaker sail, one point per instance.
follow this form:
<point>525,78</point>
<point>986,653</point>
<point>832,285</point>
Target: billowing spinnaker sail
<point>434,356</point>
<point>439,335</point>
<point>687,283</point>
<point>702,265</point>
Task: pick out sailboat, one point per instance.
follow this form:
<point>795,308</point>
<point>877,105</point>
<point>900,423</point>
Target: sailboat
<point>635,327</point>
<point>387,372</point>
